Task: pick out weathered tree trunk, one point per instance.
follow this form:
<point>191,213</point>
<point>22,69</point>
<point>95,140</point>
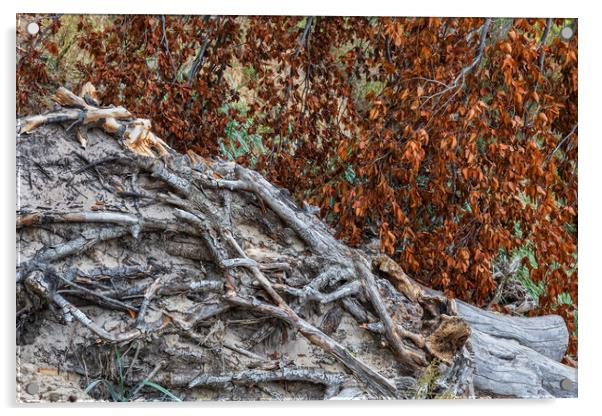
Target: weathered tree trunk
<point>519,356</point>
<point>201,275</point>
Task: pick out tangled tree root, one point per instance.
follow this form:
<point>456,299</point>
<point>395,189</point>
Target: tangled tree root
<point>201,275</point>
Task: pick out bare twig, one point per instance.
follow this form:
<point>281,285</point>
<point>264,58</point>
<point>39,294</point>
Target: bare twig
<point>564,139</point>
<point>412,360</point>
<point>542,42</point>
<point>468,69</point>
<point>332,381</point>
<point>349,289</point>
<point>91,325</point>
<point>87,240</point>
<point>148,296</point>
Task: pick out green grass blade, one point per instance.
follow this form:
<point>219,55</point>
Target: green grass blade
<point>162,390</point>
<point>120,367</point>
<point>114,396</point>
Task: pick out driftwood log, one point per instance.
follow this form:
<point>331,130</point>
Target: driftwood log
<point>517,356</point>
<point>202,276</point>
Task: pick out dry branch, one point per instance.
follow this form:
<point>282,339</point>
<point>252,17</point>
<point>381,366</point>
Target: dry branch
<point>332,381</point>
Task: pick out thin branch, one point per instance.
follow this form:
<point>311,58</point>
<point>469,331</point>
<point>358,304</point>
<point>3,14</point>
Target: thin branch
<point>344,291</point>
<point>91,325</point>
<point>562,142</point>
<point>409,358</point>
<point>148,296</point>
<point>76,246</point>
<point>332,381</point>
<point>468,69</point>
<point>542,42</point>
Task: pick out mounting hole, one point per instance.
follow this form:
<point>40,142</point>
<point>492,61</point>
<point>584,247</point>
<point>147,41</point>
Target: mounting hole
<point>566,33</point>
<point>33,28</point>
<point>32,388</point>
<point>567,384</point>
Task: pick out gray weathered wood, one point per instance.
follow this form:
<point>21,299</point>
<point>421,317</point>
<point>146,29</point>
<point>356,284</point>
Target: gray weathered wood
<point>547,335</point>
<point>518,356</point>
<point>506,368</point>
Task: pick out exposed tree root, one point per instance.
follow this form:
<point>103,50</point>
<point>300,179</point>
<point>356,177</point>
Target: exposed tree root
<point>213,269</point>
